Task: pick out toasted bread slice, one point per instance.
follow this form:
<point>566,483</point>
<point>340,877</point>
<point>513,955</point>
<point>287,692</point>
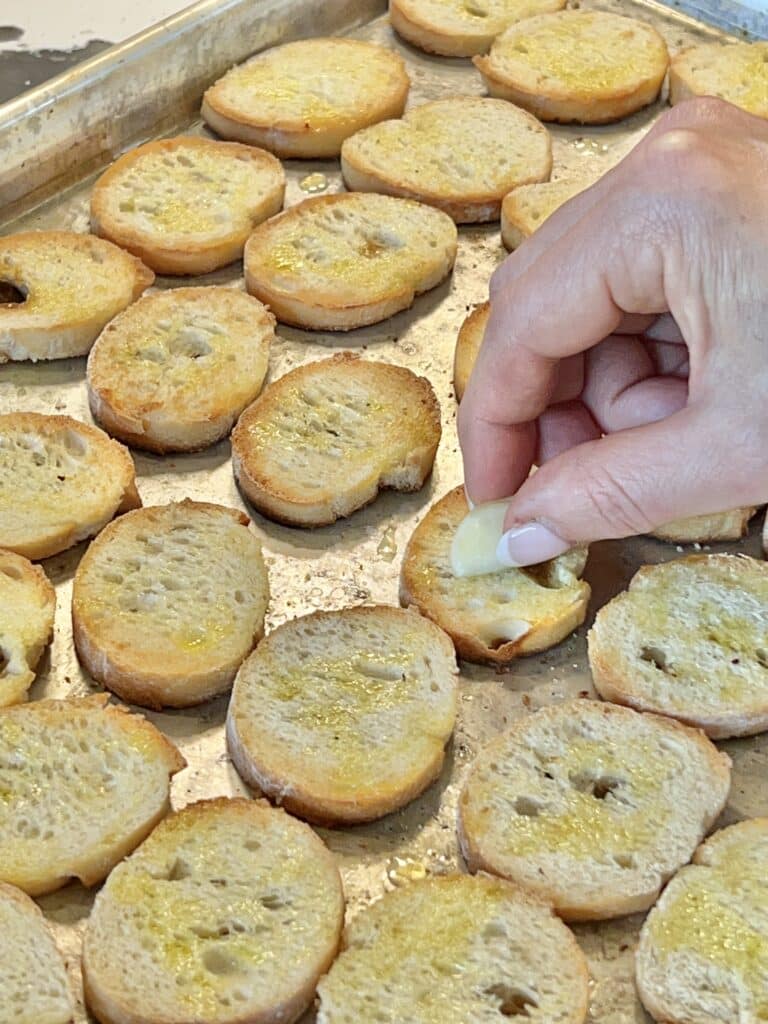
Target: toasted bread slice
<point>58,289</point>
<point>468,344</point>
<point>497,617</point>
<point>689,639</point>
<point>83,783</point>
<point>579,65</point>
<point>736,72</point>
<point>229,913</point>
<point>168,601</point>
<point>456,949</point>
<point>320,692</point>
<point>323,440</point>
<point>27,607</point>
<point>591,806</point>
<point>526,208</point>
<point>60,481</point>
<point>339,262</point>
<point>304,98</point>
<point>187,205</point>
<point>702,529</point>
<point>461,155</point>
<point>461,28</point>
<point>704,947</point>
<point>173,372</point>
<point>33,978</point>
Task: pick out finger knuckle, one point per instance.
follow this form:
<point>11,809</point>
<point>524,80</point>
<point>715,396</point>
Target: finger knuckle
<point>611,500</point>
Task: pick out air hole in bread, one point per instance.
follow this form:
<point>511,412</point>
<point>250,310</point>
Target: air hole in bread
<point>513,1002</point>
<point>272,901</point>
<point>656,657</point>
<point>599,786</point>
<point>179,870</point>
<point>75,443</point>
<point>11,295</point>
<point>219,961</point>
<point>624,860</point>
<point>527,807</point>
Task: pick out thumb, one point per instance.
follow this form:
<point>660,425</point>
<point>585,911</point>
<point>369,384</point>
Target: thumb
<point>624,484</point>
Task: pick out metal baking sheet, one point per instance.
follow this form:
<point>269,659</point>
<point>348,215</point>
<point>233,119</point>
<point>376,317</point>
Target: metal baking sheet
<point>358,559</point>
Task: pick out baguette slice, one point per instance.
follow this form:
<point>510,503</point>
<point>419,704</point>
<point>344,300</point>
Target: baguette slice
<point>34,988</point>
<point>83,783</point>
<point>468,344</point>
<point>343,261</point>
<point>27,607</point>
<point>187,205</point>
<point>461,155</point>
<point>703,529</point>
<point>168,601</point>
<point>321,692</point>
<point>228,914</point>
<point>497,617</point>
<point>578,65</point>
<point>526,208</point>
<point>68,286</point>
<point>703,952</point>
<point>304,98</point>
<point>323,440</point>
<point>60,482</point>
<point>456,949</point>
<point>689,639</point>
<point>736,72</point>
<point>461,28</point>
<point>591,806</point>
<point>173,372</point>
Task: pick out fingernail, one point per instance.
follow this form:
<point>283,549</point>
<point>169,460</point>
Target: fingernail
<point>529,545</point>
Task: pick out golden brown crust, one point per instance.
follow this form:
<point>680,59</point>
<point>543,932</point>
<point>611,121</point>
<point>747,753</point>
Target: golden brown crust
<point>468,344</point>
<point>178,255</point>
<point>326,305</point>
<point>108,1010</point>
<point>56,329</point>
<point>587,104</point>
<point>609,904</point>
<point>288,500</point>
<point>279,781</point>
<point>415,589</point>
<point>117,665</point>
<point>614,681</point>
<point>302,137</point>
<point>113,458</point>
<point>475,204</point>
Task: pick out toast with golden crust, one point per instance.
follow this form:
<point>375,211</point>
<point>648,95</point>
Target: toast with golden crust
<point>61,481</point>
<point>168,601</point>
<point>176,369</point>
<point>186,205</point>
<point>461,155</point>
<point>322,441</point>
<point>586,66</point>
<point>320,692</point>
<point>304,98</point>
<point>68,287</point>
<point>338,262</point>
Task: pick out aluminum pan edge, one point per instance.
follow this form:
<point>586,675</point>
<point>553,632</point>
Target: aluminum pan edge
<point>137,88</point>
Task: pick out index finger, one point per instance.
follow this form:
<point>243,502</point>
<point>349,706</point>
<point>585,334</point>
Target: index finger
<point>572,294</point>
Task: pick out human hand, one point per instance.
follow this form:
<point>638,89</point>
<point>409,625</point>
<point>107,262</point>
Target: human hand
<point>626,352</point>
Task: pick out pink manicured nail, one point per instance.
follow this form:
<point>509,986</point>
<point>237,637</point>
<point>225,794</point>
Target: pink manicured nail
<point>529,545</point>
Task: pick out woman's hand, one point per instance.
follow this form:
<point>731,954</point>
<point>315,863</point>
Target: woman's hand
<point>627,348</point>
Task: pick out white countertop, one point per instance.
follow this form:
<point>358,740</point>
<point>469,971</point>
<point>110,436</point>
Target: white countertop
<point>70,24</point>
